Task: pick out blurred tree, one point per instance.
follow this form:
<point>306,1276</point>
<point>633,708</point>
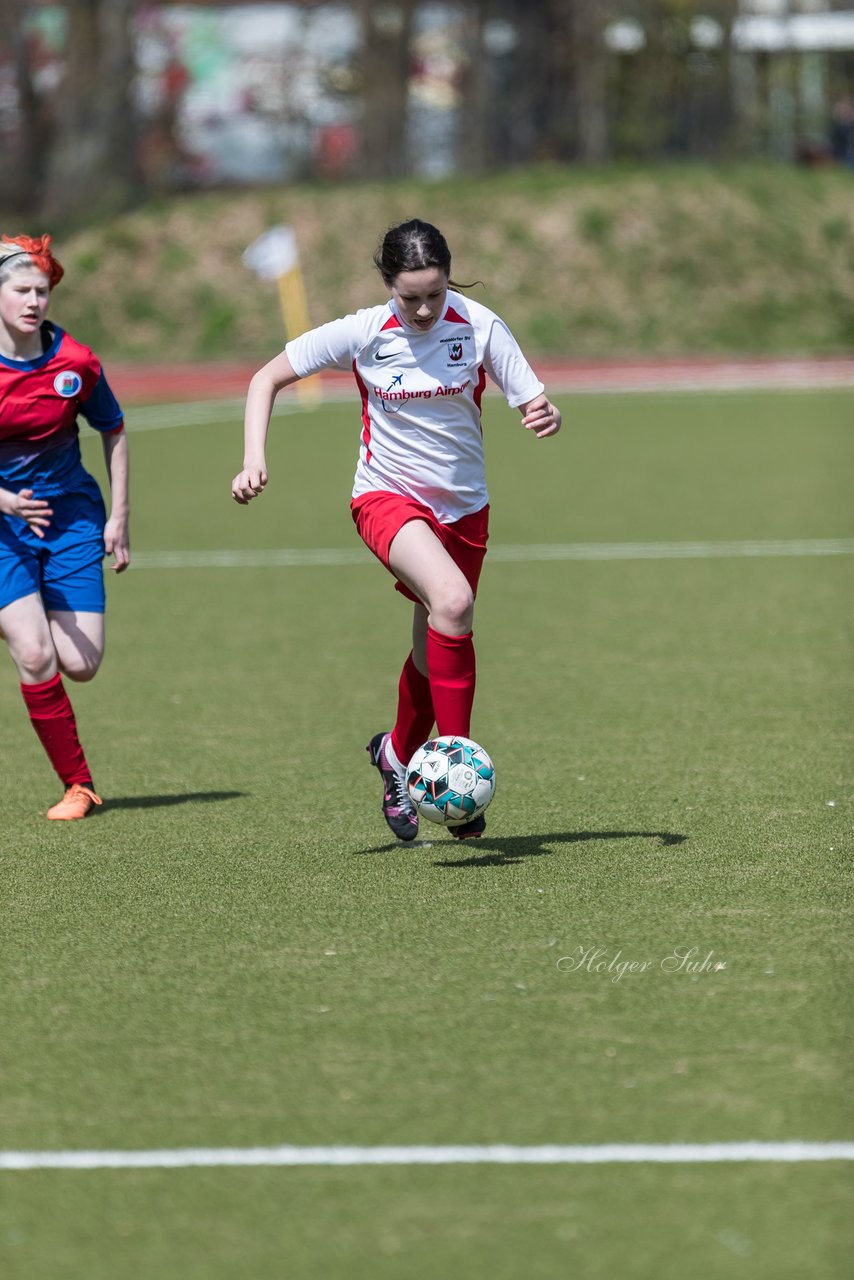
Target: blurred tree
<point>589,74</point>
<point>673,91</point>
<point>559,80</point>
<point>575,116</point>
<point>474,152</point>
<point>533,81</point>
<point>383,68</point>
<point>25,140</point>
<point>551,102</point>
<point>92,163</point>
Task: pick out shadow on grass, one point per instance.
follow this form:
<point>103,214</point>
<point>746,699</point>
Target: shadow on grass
<point>496,852</point>
<point>156,802</point>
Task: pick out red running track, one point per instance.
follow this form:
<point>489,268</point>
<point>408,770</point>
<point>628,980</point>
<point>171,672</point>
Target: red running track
<point>137,384</point>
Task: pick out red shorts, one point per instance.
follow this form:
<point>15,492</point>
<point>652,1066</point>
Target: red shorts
<point>380,516</point>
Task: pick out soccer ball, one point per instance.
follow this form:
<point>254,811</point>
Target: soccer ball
<point>450,780</point>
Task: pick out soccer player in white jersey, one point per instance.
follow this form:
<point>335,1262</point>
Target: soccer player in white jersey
<point>419,500</point>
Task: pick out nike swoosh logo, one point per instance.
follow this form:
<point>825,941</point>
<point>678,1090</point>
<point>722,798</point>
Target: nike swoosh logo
<point>390,355</point>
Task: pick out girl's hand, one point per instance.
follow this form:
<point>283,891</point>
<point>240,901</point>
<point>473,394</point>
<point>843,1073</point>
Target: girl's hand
<point>33,511</point>
<point>541,417</point>
<point>117,543</point>
<point>247,485</point>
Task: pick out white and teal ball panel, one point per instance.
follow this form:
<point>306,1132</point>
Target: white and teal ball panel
<point>450,780</point>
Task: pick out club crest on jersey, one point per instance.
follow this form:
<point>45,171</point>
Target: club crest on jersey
<point>455,351</point>
<point>67,384</point>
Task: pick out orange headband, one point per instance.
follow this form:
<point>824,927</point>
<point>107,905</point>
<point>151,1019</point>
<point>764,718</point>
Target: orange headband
<point>38,249</point>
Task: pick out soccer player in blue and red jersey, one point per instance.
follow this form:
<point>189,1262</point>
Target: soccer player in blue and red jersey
<point>419,500</point>
<point>54,530</point>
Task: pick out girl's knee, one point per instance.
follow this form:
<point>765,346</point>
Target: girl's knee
<point>80,667</point>
<point>34,660</point>
<point>79,644</point>
<point>454,610</point>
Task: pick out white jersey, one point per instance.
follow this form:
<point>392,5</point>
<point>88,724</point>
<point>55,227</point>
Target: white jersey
<point>421,394</point>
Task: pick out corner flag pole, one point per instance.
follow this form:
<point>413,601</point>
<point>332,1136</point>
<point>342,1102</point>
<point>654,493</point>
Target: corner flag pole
<point>275,256</point>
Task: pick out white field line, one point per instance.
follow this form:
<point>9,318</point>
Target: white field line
<point>342,557</point>
<point>216,1157</point>
<point>194,413</point>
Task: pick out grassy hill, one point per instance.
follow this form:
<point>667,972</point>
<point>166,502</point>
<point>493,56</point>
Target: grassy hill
<point>658,261</point>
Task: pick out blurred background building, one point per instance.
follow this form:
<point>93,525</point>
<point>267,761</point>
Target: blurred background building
<point>103,102</point>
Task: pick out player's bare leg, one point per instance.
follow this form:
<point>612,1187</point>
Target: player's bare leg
<point>442,633</point>
<point>28,633</point>
<point>78,639</point>
<point>419,560</point>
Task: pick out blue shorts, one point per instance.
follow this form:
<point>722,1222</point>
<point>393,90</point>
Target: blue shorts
<point>65,567</point>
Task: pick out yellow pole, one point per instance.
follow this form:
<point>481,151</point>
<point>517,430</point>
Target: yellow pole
<point>295,313</point>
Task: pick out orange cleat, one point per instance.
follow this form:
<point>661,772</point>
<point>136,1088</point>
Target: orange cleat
<point>77,802</point>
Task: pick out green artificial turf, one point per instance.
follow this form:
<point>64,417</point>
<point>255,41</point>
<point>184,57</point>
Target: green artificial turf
<point>716,1222</point>
<point>233,953</point>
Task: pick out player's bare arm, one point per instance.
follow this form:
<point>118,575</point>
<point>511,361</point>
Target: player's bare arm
<point>260,398</point>
<point>541,416</point>
<point>116,530</point>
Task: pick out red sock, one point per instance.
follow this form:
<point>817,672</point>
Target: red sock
<point>52,717</point>
<point>415,716</point>
<point>450,661</point>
